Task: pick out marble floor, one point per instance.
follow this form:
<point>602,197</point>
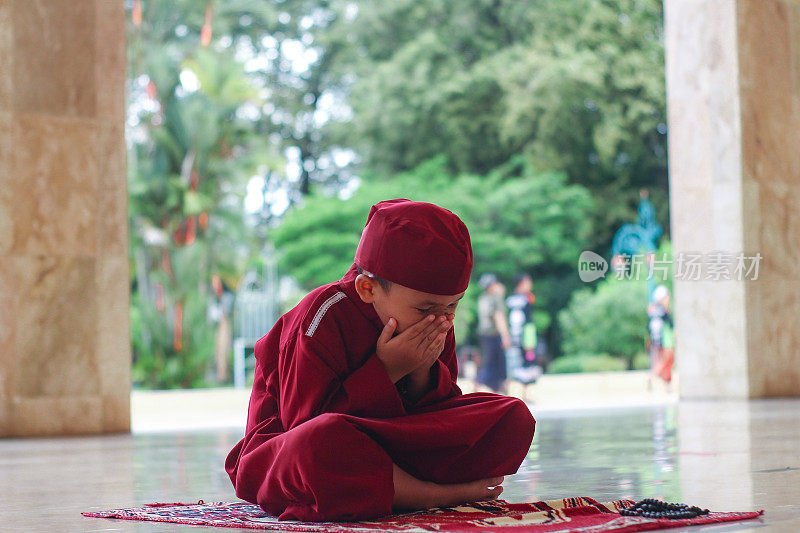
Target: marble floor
<point>720,455</point>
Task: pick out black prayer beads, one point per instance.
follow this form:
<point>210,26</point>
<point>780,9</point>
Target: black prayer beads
<point>652,508</point>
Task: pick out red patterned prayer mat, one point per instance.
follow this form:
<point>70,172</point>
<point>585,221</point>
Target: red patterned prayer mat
<point>578,515</point>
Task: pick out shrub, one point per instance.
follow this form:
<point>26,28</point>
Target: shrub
<point>586,363</point>
<point>641,361</point>
<point>609,320</point>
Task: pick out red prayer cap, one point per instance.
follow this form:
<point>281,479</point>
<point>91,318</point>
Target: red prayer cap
<point>416,244</point>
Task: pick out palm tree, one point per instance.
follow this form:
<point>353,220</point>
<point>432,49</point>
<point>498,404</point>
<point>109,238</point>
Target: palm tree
<point>194,148</point>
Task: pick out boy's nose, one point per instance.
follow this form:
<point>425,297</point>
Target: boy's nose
<point>448,316</point>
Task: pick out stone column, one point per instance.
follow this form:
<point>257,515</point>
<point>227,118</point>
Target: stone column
<point>733,98</point>
<point>64,297</point>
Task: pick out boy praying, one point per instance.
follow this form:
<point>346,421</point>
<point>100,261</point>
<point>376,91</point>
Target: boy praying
<point>355,411</point>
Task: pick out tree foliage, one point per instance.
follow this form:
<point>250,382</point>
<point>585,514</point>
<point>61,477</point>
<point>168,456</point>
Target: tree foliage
<point>578,86</point>
<point>611,320</point>
<point>192,155</point>
<point>537,122</point>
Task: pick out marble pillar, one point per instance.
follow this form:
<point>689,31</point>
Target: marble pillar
<point>733,99</point>
<point>64,327</point>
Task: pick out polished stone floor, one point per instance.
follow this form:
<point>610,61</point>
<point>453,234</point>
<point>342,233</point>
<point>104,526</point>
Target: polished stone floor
<point>721,455</point>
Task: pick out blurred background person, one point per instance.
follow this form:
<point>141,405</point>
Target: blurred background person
<point>521,362</point>
<point>493,333</point>
<point>662,340</point>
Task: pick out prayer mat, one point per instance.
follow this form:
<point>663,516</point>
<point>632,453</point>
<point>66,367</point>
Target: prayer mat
<point>578,515</point>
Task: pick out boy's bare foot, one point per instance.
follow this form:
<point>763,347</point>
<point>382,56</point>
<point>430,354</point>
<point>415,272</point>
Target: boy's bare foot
<point>458,493</point>
<point>411,493</point>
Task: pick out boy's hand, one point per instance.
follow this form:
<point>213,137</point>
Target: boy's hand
<point>417,347</point>
<point>420,377</point>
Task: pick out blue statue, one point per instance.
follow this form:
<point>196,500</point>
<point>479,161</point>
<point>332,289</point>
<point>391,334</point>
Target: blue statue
<point>632,239</point>
<point>638,238</point>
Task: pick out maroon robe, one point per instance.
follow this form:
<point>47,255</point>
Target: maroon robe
<point>325,422</point>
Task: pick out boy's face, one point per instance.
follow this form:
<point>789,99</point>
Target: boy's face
<point>407,306</point>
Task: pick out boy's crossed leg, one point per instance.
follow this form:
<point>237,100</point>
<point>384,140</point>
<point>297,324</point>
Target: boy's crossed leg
<point>330,467</point>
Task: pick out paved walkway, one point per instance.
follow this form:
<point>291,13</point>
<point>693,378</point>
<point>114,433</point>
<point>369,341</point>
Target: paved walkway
<point>183,410</point>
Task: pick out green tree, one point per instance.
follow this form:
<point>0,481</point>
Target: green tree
<point>536,121</point>
<point>194,149</point>
<point>177,308</point>
<point>290,47</point>
<point>578,86</point>
<point>611,320</point>
<point>287,49</point>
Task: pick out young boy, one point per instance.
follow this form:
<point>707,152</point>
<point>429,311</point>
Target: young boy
<point>355,411</point>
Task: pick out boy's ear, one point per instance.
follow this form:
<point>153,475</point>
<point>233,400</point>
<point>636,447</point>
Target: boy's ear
<point>365,287</point>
